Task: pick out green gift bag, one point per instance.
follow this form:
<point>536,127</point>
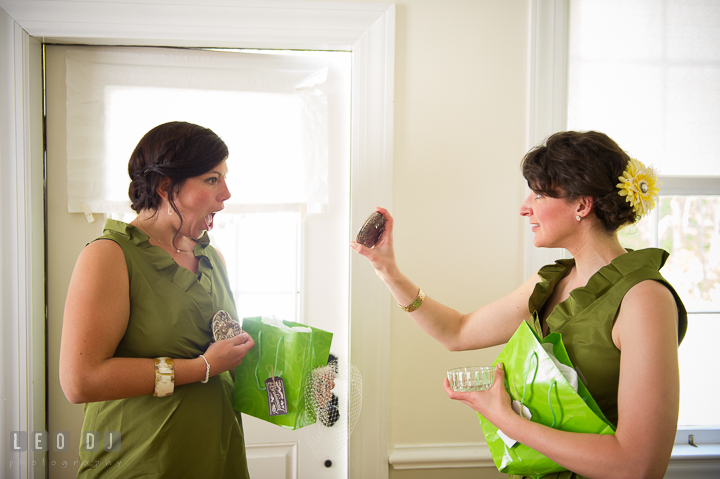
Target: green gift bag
<point>534,380</point>
<point>284,353</point>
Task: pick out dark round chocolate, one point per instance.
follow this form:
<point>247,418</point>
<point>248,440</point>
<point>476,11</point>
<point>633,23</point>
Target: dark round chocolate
<point>371,230</point>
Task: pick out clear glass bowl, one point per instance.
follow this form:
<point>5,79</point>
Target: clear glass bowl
<point>475,378</point>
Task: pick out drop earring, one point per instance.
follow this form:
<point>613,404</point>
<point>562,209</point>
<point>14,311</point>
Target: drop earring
<point>170,212</point>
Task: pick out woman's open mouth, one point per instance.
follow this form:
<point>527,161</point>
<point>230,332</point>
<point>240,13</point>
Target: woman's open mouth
<point>209,221</point>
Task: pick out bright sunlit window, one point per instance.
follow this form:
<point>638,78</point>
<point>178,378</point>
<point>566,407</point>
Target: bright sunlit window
<point>263,250</point>
<point>688,227</point>
<point>647,73</point>
<point>270,108</point>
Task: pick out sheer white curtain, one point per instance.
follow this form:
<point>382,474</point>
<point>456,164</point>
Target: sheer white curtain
<point>266,107</point>
<point>647,73</point>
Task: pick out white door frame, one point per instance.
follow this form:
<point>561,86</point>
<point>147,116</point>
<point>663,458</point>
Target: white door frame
<point>547,105</point>
<point>366,29</point>
<point>22,264</point>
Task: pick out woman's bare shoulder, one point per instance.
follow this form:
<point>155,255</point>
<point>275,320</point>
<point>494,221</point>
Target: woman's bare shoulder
<point>96,261</point>
<point>647,310</point>
<point>102,250</point>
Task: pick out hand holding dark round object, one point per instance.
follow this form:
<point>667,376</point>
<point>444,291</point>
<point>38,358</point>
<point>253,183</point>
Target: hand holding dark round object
<point>371,230</point>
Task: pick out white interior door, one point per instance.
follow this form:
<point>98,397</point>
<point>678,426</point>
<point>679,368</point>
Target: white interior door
<point>366,29</point>
<point>323,274</point>
<point>323,304</point>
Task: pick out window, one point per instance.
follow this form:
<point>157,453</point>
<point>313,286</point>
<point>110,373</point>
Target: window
<point>647,74</point>
<point>271,108</point>
<point>687,226</point>
<point>264,267</point>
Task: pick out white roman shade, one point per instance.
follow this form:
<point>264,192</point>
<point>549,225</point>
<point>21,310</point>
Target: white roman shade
<point>648,75</point>
<point>269,108</point>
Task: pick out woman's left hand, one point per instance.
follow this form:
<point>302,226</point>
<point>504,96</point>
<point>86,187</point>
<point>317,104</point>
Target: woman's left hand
<point>494,403</point>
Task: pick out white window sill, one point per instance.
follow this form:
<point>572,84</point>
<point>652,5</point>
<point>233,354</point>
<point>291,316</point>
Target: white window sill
<point>684,452</point>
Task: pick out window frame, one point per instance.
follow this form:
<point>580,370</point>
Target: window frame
<point>548,101</point>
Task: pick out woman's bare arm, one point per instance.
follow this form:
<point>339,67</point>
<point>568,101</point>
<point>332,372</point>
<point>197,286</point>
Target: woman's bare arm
<point>95,319</point>
<point>490,325</point>
<point>648,398</point>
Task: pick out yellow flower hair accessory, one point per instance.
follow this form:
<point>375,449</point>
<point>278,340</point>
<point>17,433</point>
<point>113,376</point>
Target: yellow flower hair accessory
<point>639,184</point>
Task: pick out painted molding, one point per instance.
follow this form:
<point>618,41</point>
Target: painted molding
<point>371,185</point>
<point>22,283</point>
<point>547,98</point>
<point>548,68</point>
<point>686,461</point>
<point>696,469</point>
<point>285,452</point>
<point>365,28</point>
<point>441,456</point>
<point>690,185</point>
<point>200,23</point>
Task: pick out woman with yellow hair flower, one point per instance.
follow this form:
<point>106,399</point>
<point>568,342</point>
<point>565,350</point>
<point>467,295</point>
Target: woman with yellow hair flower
<point>620,320</point>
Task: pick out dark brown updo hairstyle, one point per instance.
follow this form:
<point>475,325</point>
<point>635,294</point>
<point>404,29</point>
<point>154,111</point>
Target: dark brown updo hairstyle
<point>177,150</point>
<point>573,164</point>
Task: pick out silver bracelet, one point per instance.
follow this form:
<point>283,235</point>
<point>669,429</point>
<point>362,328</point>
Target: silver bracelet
<point>207,371</point>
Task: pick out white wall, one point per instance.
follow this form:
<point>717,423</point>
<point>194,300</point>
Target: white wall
<point>461,81</point>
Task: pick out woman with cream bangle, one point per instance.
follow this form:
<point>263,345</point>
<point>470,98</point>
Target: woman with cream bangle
<point>137,344</point>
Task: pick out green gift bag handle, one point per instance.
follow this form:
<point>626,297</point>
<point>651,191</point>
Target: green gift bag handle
<point>522,400</point>
<point>549,398</point>
<point>277,353</point>
<point>552,410</point>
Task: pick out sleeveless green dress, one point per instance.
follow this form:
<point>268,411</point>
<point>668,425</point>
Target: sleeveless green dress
<point>587,317</point>
<point>195,432</point>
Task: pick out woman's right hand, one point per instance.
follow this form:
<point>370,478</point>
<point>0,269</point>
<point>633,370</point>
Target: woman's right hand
<point>382,255</point>
<point>228,354</point>
<point>382,258</point>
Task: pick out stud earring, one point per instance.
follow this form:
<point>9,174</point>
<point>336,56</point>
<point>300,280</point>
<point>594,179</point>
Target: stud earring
<point>578,217</point>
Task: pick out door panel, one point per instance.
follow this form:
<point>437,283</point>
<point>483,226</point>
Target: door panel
<point>273,461</point>
<point>272,451</point>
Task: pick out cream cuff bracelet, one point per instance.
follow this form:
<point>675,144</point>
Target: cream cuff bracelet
<point>164,377</point>
<point>207,371</point>
<point>415,304</point>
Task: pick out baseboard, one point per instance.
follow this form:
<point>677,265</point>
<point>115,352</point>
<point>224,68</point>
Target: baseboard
<point>436,456</point>
<point>695,469</point>
<point>683,464</point>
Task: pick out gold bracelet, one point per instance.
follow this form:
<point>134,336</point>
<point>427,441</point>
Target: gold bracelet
<point>164,377</point>
<point>415,304</point>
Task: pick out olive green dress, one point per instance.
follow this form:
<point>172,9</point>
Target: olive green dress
<point>195,432</point>
<point>586,319</point>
